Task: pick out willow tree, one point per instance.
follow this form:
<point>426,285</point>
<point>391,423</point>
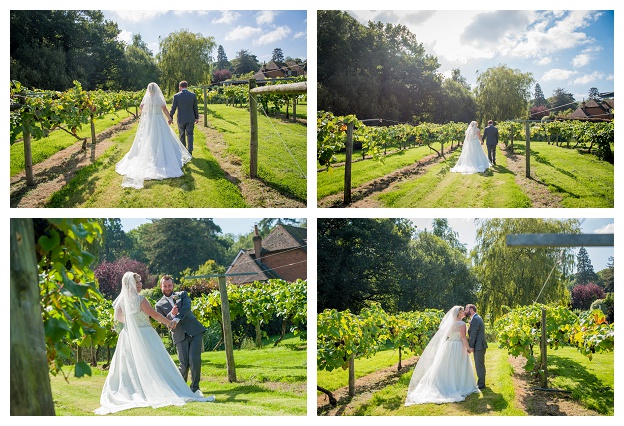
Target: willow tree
<point>503,93</point>
<point>518,276</point>
<point>185,56</point>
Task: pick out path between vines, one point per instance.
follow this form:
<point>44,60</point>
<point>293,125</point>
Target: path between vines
<point>363,196</point>
<point>532,402</point>
<point>56,171</point>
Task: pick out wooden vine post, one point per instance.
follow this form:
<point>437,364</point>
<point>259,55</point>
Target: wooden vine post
<point>543,352</point>
<point>226,321</point>
<point>528,148</point>
<point>28,166</point>
<point>285,89</point>
<point>348,159</point>
<point>352,375</point>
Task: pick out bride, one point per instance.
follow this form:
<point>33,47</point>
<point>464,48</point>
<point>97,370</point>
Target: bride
<point>472,158</point>
<point>142,374</point>
<point>444,371</point>
<point>156,152</point>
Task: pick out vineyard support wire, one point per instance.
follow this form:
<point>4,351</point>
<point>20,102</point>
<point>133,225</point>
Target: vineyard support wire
<point>303,175</point>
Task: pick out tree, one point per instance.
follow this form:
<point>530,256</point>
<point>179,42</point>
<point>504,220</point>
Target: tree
<point>221,75</point>
<point>115,242</point>
<point>360,261</point>
<point>141,69</point>
<point>584,268</point>
<point>584,294</point>
<point>222,60</point>
<point>185,56</point>
<point>517,276</point>
<point>607,276</point>
<point>538,112</point>
<point>436,273</point>
<point>173,244</point>
<point>594,93</point>
<point>502,93</point>
<point>109,275</point>
<point>561,100</point>
<point>245,62</point>
<point>456,103</point>
<point>538,97</point>
<point>277,55</point>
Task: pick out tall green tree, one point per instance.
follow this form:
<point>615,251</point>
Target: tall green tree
<point>562,100</point>
<point>222,60</point>
<point>185,56</point>
<point>518,276</point>
<point>503,93</point>
<point>277,55</point>
<point>360,261</point>
<point>455,103</point>
<point>141,69</point>
<point>594,93</point>
<point>172,245</point>
<point>245,62</point>
<point>115,242</point>
<point>584,269</point>
<point>538,96</point>
<point>437,272</point>
<point>442,229</point>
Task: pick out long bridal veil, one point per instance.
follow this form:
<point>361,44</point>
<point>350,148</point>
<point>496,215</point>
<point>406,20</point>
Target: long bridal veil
<point>429,354</point>
<point>156,152</point>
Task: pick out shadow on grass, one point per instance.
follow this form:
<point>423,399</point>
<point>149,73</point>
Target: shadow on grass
<point>586,387</point>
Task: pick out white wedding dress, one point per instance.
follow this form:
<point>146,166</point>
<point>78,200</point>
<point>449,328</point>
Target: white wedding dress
<point>142,374</point>
<point>447,376</point>
<point>472,158</point>
<point>156,152</point>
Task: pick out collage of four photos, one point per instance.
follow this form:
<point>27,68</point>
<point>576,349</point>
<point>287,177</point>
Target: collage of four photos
<point>460,200</point>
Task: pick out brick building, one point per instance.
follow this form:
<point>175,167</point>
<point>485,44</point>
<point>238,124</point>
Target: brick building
<point>281,254</point>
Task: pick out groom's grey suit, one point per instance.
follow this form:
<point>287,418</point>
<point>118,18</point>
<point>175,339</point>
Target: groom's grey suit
<point>490,135</point>
<point>187,336</point>
<point>476,340</point>
<point>186,103</point>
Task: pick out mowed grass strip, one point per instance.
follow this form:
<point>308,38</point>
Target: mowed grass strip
<point>331,181</point>
<point>282,147</point>
<point>439,187</point>
<point>99,185</point>
<point>42,149</point>
<point>270,382</point>
<point>582,180</point>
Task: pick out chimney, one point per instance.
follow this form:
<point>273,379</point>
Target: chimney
<point>257,240</point>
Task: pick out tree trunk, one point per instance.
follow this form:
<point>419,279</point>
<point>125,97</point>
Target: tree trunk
<point>352,375</point>
<point>31,394</point>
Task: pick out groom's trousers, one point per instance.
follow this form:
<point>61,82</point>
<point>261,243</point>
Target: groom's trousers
<point>189,354</point>
<point>491,149</point>
<point>186,134</point>
<point>479,359</point>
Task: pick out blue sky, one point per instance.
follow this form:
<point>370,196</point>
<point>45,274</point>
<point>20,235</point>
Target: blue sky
<point>572,50</point>
<point>599,256</point>
<point>258,31</point>
<point>236,226</point>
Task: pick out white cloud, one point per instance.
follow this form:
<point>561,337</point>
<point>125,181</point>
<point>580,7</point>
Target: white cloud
<point>607,229</point>
<point>138,15</point>
<point>557,74</point>
<point>125,36</point>
<point>545,60</point>
<point>243,33</point>
<point>589,78</point>
<point>227,17</point>
<point>277,34</point>
<point>581,60</point>
<point>300,34</point>
<point>609,77</point>
<point>265,17</point>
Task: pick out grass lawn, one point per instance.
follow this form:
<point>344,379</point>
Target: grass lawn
<point>581,179</point>
<point>590,382</point>
<point>41,149</point>
<point>270,382</point>
<point>332,181</point>
<point>439,187</point>
<point>99,185</point>
<point>282,147</point>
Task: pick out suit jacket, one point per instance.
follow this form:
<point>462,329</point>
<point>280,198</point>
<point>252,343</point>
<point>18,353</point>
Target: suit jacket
<point>490,135</point>
<point>186,103</point>
<point>476,334</point>
<point>188,324</point>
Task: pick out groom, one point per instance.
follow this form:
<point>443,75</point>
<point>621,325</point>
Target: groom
<point>187,332</point>
<point>490,135</point>
<point>186,104</point>
<point>477,343</point>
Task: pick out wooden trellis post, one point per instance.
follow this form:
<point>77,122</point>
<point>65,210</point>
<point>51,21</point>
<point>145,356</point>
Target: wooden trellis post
<point>528,149</point>
<point>227,322</point>
<point>555,240</point>
<point>348,158</point>
<point>285,89</point>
